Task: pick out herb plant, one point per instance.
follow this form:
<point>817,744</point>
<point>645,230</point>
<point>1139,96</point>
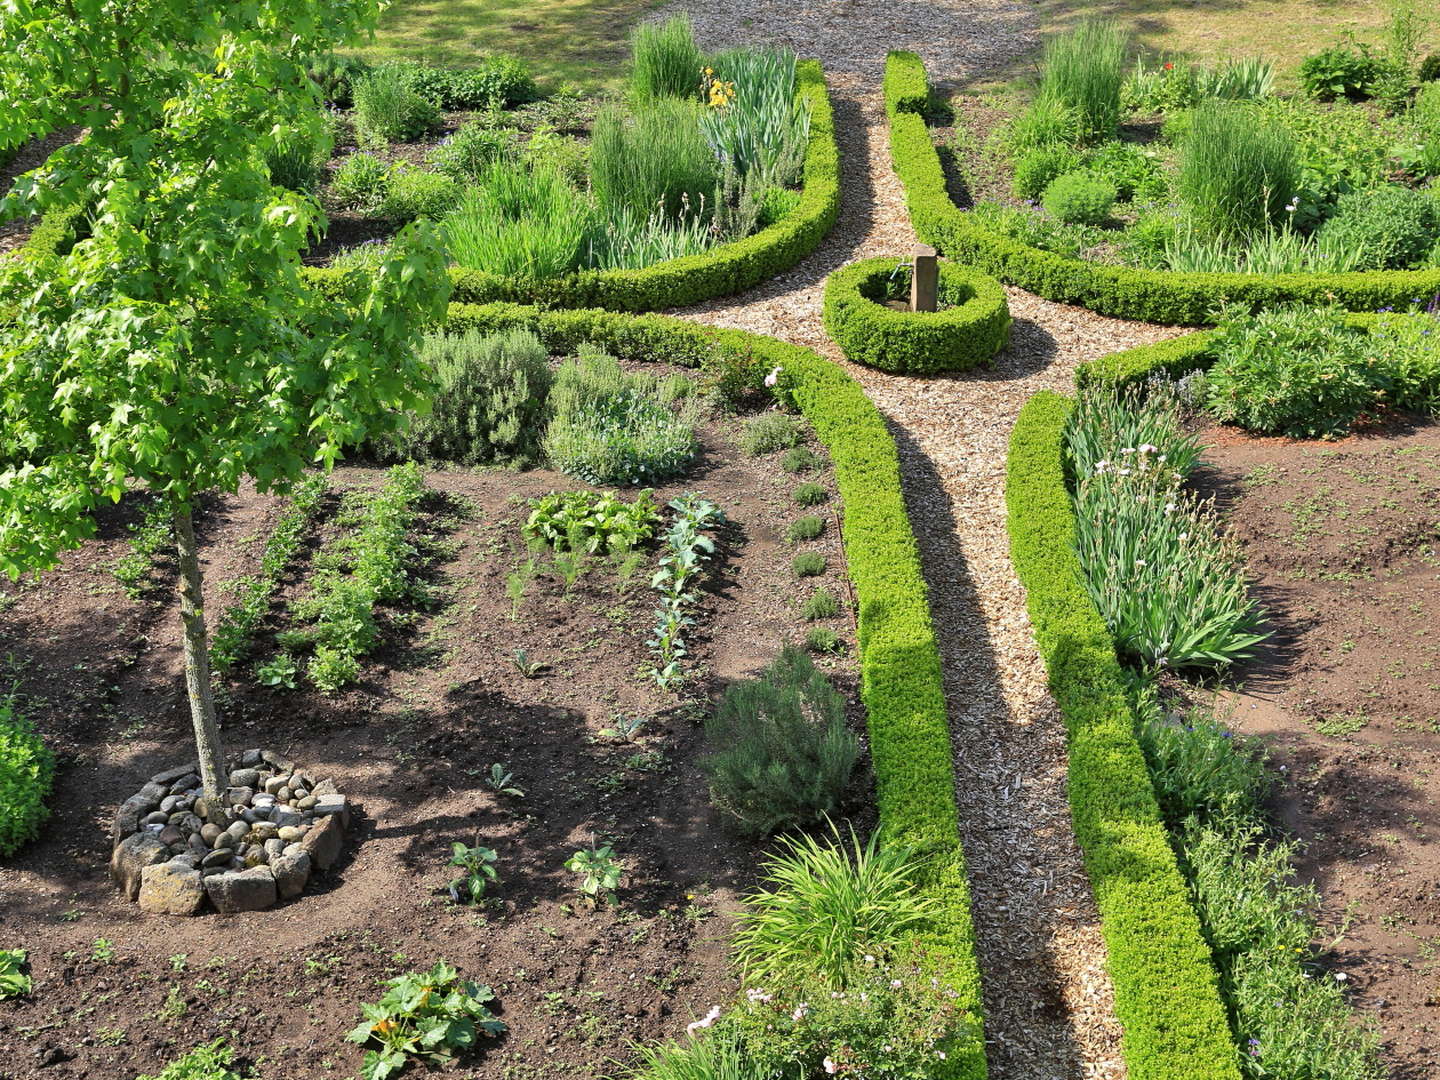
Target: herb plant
<point>687,549</point>
<point>501,781</point>
<point>478,864</point>
<point>600,872</point>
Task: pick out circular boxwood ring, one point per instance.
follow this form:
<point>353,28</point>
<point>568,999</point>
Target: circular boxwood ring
<point>972,325</point>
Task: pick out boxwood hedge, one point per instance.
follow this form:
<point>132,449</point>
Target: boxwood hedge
<point>972,327</point>
<point>899,659</point>
<point>1161,296</point>
<point>1167,994</point>
<point>689,279</point>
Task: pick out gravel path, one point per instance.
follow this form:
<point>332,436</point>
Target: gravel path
<point>1048,999</point>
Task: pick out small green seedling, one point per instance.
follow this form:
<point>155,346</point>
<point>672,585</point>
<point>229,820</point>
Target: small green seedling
<point>529,668</point>
<point>799,459</point>
<point>599,872</point>
<point>625,728</point>
<point>282,670</point>
<point>480,873</point>
<point>501,781</point>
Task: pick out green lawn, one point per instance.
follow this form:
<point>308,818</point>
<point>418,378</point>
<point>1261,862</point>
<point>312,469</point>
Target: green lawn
<point>580,41</point>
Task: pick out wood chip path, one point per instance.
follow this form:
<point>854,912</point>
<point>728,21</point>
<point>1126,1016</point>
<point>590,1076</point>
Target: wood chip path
<point>1048,999</point>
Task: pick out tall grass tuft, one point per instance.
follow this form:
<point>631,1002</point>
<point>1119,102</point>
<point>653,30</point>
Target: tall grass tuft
<point>656,158</point>
<point>1085,70</point>
<point>1238,171</point>
<point>525,223</point>
<point>667,62</point>
<point>632,242</point>
<point>830,903</point>
<point>389,109</point>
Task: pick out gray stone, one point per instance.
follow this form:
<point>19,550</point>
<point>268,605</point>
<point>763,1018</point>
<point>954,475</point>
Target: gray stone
<point>274,848</point>
<point>284,793</point>
<point>260,813</point>
<point>281,764</point>
<point>325,787</point>
<point>298,793</point>
<point>239,829</point>
<point>250,758</point>
<point>285,815</point>
<point>178,818</point>
<point>291,872</point>
<point>307,803</point>
<point>244,890</point>
<point>185,785</point>
<point>157,817</point>
<point>291,849</point>
<point>262,831</point>
<point>209,832</point>
<point>191,823</point>
<point>127,818</point>
<point>246,778</point>
<point>175,772</point>
<point>218,857</point>
<point>130,858</point>
<point>326,805</point>
<point>171,834</point>
<point>154,792</point>
<point>274,784</point>
<point>169,803</point>
<point>171,888</point>
<point>224,840</point>
<point>197,844</point>
<point>187,858</point>
<point>239,796</point>
<point>324,840</point>
<point>291,833</point>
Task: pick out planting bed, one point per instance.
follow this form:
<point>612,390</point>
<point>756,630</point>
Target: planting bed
<point>1343,544</point>
<point>411,743</point>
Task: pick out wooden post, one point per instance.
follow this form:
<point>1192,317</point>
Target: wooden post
<point>925,280</point>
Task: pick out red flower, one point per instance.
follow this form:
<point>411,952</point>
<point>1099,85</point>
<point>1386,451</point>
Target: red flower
<point>1169,66</point>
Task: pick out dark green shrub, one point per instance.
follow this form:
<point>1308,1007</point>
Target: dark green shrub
<point>489,405</point>
<point>359,182</point>
<point>336,77</point>
<point>27,769</point>
<point>1237,170</point>
<point>209,1062</point>
<point>1035,170</point>
<point>809,527</point>
<point>823,640</point>
<point>1392,227</point>
<point>389,109</point>
<point>808,564</point>
<point>810,494</point>
<point>781,754</point>
<point>1340,71</point>
<point>771,432</point>
<point>656,158</point>
<point>415,193</point>
<point>667,62</point>
<point>800,459</point>
<point>1079,199</point>
<point>1429,70</point>
<point>611,427</point>
<point>776,204</point>
<point>822,605</point>
<point>1133,170</point>
<point>1292,371</point>
<point>496,82</point>
<point>1085,70</point>
<point>473,148</point>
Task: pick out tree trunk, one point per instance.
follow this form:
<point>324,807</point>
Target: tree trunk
<point>197,658</point>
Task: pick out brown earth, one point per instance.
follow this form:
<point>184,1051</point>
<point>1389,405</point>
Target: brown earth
<point>118,992</point>
<point>1343,539</point>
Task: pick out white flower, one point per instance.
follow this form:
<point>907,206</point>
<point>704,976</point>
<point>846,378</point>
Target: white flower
<point>801,1011</point>
<point>1140,564</point>
<point>895,984</point>
<point>1169,508</point>
<point>869,959</point>
<point>773,377</point>
<point>709,1018</point>
<point>1340,976</point>
<point>940,1054</point>
<point>831,1067</point>
<point>1148,448</point>
<point>1128,450</point>
<point>757,995</point>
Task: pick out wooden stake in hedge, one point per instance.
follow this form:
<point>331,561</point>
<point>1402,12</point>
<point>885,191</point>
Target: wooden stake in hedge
<point>176,348</point>
<point>925,280</point>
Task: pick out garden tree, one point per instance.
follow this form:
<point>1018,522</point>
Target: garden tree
<point>174,348</point>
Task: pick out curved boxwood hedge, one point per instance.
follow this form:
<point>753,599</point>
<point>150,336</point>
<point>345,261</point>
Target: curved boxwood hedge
<point>1162,296</point>
<point>969,331</point>
<point>1176,357</point>
<point>689,279</point>
<point>899,660</point>
<point>1167,994</point>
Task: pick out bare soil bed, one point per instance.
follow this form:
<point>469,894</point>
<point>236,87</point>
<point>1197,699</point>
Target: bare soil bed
<point>118,992</point>
<point>1343,539</point>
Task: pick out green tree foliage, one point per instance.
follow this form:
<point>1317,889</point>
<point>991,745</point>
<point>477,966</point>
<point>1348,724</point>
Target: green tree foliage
<point>176,347</point>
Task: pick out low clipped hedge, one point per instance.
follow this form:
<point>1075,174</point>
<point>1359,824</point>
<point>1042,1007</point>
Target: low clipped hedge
<point>27,771</point>
<point>907,89</point>
<point>899,660</point>
<point>689,279</point>
<point>1167,994</point>
<point>972,327</point>
<point>1161,296</point>
<point>1174,358</point>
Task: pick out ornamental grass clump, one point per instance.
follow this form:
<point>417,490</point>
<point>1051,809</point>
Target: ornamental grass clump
<point>1159,565</point>
<point>1238,170</point>
<point>655,159</point>
<point>389,109</point>
<point>667,61</point>
<point>781,753</point>
<point>528,223</point>
<point>1085,71</point>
